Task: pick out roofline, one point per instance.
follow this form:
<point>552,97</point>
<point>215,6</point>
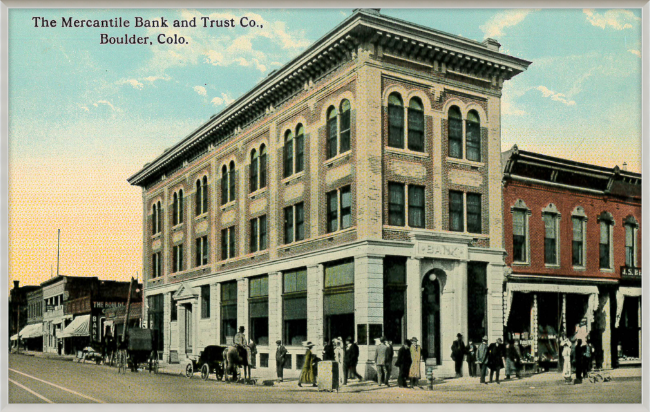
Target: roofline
<point>62,277</point>
<point>352,22</point>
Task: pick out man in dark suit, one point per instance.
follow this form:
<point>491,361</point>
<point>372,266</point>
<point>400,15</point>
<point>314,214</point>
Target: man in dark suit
<point>404,363</point>
<point>458,354</point>
<point>380,361</point>
<point>482,358</point>
<point>328,350</point>
<point>280,359</point>
<point>496,355</point>
<point>389,360</point>
<point>350,361</point>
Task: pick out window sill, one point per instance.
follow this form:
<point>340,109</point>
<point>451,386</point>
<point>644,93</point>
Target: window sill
<point>605,270</point>
<point>465,162</point>
<point>476,235</point>
<point>338,232</point>
<point>551,266</point>
<point>256,193</point>
<point>580,268</point>
<point>520,263</point>
<point>407,152</point>
<point>339,156</point>
<point>253,255</point>
<point>293,177</point>
<point>177,227</point>
<point>403,228</point>
<point>228,205</point>
<point>202,216</point>
<point>287,246</point>
<point>156,236</point>
<point>205,320</point>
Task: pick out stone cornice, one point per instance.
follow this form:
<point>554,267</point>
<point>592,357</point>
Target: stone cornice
<point>365,30</point>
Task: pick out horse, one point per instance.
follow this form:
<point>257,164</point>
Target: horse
<point>234,357</point>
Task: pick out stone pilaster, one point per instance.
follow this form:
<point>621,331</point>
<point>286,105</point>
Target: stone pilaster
<point>217,299</point>
<point>275,312</point>
<point>368,301</point>
<point>414,298</point>
<point>167,319</point>
<point>215,313</point>
<point>315,279</point>
<point>607,332</point>
<point>181,331</point>
<point>242,304</point>
<point>495,301</point>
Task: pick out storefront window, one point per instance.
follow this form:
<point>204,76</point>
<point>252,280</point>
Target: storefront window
<point>338,302</point>
<point>477,300</point>
<point>228,312</point>
<point>156,319</point>
<point>628,331</point>
<point>294,310</point>
<point>258,311</point>
<point>395,298</point>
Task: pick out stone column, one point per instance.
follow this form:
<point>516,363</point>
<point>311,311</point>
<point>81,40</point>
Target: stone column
<point>494,308</point>
<point>275,313</point>
<point>215,315</point>
<point>315,279</point>
<point>462,305</point>
<point>242,304</point>
<point>181,331</point>
<point>217,300</point>
<point>607,332</point>
<point>414,299</point>
<point>368,302</point>
<point>167,322</point>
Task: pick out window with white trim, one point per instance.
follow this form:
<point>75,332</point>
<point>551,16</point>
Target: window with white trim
<point>402,203</point>
<point>258,234</point>
<point>338,129</point>
<point>294,223</point>
<point>578,243</point>
<point>201,251</point>
<point>257,169</point>
<point>465,211</point>
<point>294,151</point>
<point>177,258</point>
<point>156,218</point>
<point>606,225</point>
<point>520,232</point>
<point>455,132</point>
<point>177,212</point>
<point>407,122</point>
<point>228,243</point>
<point>201,197</point>
<point>339,209</point>
<point>631,229</point>
<point>473,136</point>
<point>551,219</point>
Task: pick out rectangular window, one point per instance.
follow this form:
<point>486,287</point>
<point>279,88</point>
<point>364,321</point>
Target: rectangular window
<point>474,213</point>
<point>300,221</point>
<point>228,312</point>
<point>396,204</point>
<point>232,245</point>
<point>258,303</point>
<point>605,244</point>
<point>232,179</point>
<point>300,153</point>
<point>294,310</point>
<point>338,298</point>
<point>396,126</point>
<point>456,221</point>
<point>629,246</point>
<point>455,138</point>
<point>201,251</point>
<point>174,310</point>
<point>519,236</point>
<point>224,244</point>
<point>332,138</point>
<point>416,206</point>
<point>177,258</point>
<point>262,234</point>
<point>332,211</point>
<point>550,239</point>
<point>253,235</point>
<point>263,169</point>
<point>288,158</point>
<point>205,301</point>
<point>578,242</point>
<point>346,207</point>
<point>345,131</point>
<point>473,141</point>
<point>288,224</point>
<point>416,130</point>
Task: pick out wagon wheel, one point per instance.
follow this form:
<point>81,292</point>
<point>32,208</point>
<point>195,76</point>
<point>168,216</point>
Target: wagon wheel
<point>205,372</point>
<point>189,370</point>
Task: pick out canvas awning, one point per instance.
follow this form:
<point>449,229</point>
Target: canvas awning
<point>621,293</point>
<point>527,287</point>
<point>14,337</point>
<point>80,326</point>
<point>32,331</point>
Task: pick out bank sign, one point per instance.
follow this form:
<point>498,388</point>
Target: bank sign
<point>441,250</point>
<point>630,272</point>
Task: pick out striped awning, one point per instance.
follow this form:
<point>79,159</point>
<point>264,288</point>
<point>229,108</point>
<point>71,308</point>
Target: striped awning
<point>80,326</point>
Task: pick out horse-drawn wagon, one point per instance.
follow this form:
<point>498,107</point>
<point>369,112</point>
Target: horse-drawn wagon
<point>138,349</point>
<point>210,360</point>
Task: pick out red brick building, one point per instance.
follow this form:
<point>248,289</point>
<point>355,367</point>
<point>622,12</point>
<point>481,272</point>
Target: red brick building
<point>571,232</point>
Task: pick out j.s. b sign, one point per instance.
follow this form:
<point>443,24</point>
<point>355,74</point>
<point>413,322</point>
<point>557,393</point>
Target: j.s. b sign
<point>630,272</point>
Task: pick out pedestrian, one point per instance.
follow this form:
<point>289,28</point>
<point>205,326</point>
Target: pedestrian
<point>403,363</point>
<point>566,356</point>
<point>240,338</point>
<point>482,358</point>
<point>380,361</point>
<point>389,360</point>
<point>416,355</point>
<point>588,356</point>
<point>471,358</point>
<point>496,355</point>
<point>350,361</point>
<point>579,361</point>
<point>307,373</point>
<point>253,353</point>
<point>280,359</point>
<point>512,361</point>
<point>339,354</point>
<point>458,354</point>
<point>328,350</point>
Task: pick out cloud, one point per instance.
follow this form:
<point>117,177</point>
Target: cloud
<point>152,79</point>
<point>508,18</point>
<point>635,52</point>
<point>85,108</point>
<point>133,82</point>
<point>508,105</point>
<point>200,90</point>
<point>616,19</point>
<point>225,98</point>
<point>107,103</point>
<point>558,97</point>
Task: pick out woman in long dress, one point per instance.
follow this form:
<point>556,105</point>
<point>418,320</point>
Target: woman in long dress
<point>566,355</point>
<point>339,354</point>
<point>307,374</point>
<point>416,354</point>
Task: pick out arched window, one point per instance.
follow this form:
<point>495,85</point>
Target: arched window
<point>198,199</point>
<point>231,180</point>
<point>224,185</point>
<point>473,136</point>
<point>288,153</point>
<point>159,227</point>
<point>175,210</point>
<point>180,206</point>
<point>332,132</point>
<point>455,133</point>
<point>416,125</point>
<point>254,168</point>
<point>300,148</point>
<point>262,166</point>
<point>345,126</point>
<point>154,219</point>
<point>395,121</point>
<point>205,194</point>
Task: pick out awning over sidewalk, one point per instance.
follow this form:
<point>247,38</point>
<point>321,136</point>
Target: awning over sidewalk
<point>527,287</point>
<point>32,331</point>
<point>80,326</point>
<point>621,293</point>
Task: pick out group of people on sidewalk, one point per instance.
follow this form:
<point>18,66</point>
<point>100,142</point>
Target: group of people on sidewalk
<point>578,354</point>
<point>494,357</point>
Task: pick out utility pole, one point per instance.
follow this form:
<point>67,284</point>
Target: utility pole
<point>128,307</point>
<point>58,247</point>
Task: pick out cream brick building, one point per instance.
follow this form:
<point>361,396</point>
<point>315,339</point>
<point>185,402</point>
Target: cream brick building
<point>356,192</point>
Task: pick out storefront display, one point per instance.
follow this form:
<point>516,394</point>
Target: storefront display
<point>628,325</point>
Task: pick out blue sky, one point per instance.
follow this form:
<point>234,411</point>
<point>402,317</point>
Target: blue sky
<point>84,116</point>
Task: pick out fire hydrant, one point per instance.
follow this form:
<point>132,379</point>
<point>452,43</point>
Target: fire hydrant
<point>430,365</point>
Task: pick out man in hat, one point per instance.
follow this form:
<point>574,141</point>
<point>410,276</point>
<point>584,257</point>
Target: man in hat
<point>380,361</point>
<point>403,363</point>
<point>458,354</point>
<point>416,355</point>
<point>240,338</point>
<point>482,358</point>
<point>280,359</point>
<point>496,356</point>
<point>350,360</point>
<point>389,360</point>
<point>328,350</point>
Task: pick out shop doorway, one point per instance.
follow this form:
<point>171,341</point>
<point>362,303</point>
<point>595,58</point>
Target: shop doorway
<point>188,328</point>
<point>431,314</point>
